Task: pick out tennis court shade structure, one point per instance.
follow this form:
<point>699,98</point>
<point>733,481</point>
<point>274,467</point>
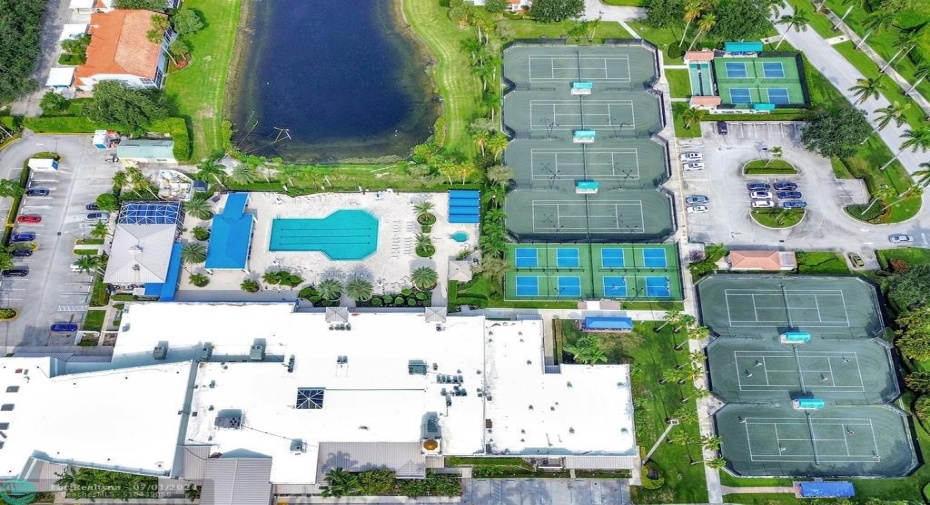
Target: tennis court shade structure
<point>604,323</point>
<point>464,206</point>
<point>774,80</point>
<point>341,236</point>
<point>742,47</point>
<point>149,213</point>
<point>231,235</point>
<point>826,489</point>
<point>569,271</point>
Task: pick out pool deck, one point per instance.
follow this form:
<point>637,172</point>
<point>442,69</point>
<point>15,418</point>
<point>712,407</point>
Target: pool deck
<point>388,268</point>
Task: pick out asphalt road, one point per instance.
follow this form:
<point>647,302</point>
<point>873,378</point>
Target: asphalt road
<point>52,292</point>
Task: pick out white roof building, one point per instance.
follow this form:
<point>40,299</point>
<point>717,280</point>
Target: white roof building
<point>140,253</point>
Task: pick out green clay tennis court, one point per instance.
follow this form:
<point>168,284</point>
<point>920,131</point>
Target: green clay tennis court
<point>743,82</point>
<point>765,306</point>
<point>593,271</point>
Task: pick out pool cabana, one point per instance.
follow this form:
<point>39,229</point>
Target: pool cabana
<point>231,235</point>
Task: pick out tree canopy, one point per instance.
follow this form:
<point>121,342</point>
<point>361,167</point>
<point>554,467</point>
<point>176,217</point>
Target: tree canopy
<point>187,21</point>
<point>20,26</point>
<point>836,132</point>
<point>548,11</point>
<point>495,6</point>
<point>151,5</point>
<point>130,109</point>
<point>911,287</point>
<point>741,19</point>
<point>913,335</point>
<point>665,13</point>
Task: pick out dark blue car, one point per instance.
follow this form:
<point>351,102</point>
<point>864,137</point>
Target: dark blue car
<point>789,195</point>
<point>21,253</point>
<point>794,204</point>
<point>23,237</point>
<point>63,327</point>
<point>758,186</point>
<point>785,186</point>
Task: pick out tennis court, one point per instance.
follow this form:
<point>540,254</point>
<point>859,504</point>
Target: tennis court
<point>546,114</point>
<point>763,306</point>
<point>772,80</point>
<point>754,370</point>
<point>608,66</point>
<point>837,441</point>
<point>701,79</point>
<point>593,271</point>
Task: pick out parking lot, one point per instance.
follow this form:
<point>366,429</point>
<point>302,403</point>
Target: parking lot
<point>826,225</point>
<point>545,491</point>
<point>52,292</point>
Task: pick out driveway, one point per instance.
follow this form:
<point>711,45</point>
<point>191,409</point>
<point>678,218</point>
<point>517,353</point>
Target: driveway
<point>545,491</point>
<point>52,292</point>
<point>826,226</point>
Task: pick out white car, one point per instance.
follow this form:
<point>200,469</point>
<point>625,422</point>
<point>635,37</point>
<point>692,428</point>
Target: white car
<point>690,167</point>
<point>900,239</point>
<point>698,209</point>
<point>760,195</point>
<point>691,156</point>
<point>762,204</point>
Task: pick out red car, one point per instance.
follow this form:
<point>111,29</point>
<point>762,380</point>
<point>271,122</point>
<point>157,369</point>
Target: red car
<point>29,218</point>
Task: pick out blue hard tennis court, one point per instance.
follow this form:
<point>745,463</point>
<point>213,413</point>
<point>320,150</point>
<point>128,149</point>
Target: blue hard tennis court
<point>526,257</point>
<point>612,258</point>
<point>655,258</point>
<point>569,286</point>
<point>657,286</point>
<point>527,285</point>
<point>567,258</point>
<point>740,95</point>
<point>778,95</point>
<point>736,69</point>
<point>773,70</point>
<point>615,286</point>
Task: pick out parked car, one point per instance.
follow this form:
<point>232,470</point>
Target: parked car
<point>697,199</point>
<point>29,218</point>
<point>698,209</point>
<point>789,195</point>
<point>91,206</point>
<point>856,260</point>
<point>722,128</point>
<point>23,237</point>
<point>785,186</point>
<point>98,216</point>
<point>21,253</point>
<point>900,238</point>
<point>15,272</point>
<point>63,327</point>
<point>762,204</point>
<point>37,192</point>
<point>794,204</point>
<point>691,156</point>
<point>758,186</point>
<point>689,167</point>
<point>760,195</point>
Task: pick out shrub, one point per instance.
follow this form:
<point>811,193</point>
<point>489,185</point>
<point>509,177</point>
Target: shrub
<point>406,291</point>
<point>399,300</point>
<point>423,295</point>
<point>411,302</point>
<point>674,52</point>
<point>426,219</point>
<point>250,286</point>
<point>899,266</point>
<point>922,408</point>
<point>200,280</point>
<point>873,215</point>
<point>307,293</point>
<point>6,314</point>
<point>107,202</point>
<point>426,252</point>
<point>426,228</point>
<point>376,302</point>
<point>200,233</point>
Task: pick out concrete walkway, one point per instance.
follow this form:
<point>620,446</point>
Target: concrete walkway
<point>756,490</point>
<point>594,9</point>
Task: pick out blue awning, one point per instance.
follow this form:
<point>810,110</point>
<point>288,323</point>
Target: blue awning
<point>763,106</point>
<point>588,185</point>
<point>165,291</point>
<point>582,85</point>
<point>231,235</point>
<point>464,206</point>
<point>608,323</point>
<point>743,47</point>
<point>840,489</point>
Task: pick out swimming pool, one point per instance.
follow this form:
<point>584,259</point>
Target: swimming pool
<point>342,235</point>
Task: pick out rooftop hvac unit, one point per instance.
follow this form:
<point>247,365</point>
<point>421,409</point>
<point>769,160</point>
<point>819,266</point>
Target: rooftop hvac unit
<point>206,351</point>
<point>160,352</point>
<point>298,446</point>
<point>257,352</point>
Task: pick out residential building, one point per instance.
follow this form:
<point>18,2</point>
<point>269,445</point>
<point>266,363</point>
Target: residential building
<point>119,50</point>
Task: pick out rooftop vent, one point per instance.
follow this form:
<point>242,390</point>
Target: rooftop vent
<point>206,351</point>
<point>229,418</point>
<point>290,364</point>
<point>298,446</point>
<point>257,352</point>
<point>417,367</point>
<point>160,352</point>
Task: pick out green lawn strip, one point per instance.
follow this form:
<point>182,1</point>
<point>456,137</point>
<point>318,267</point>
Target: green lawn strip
<point>89,241</point>
<point>760,498</point>
<point>99,297</point>
<point>663,38</point>
<point>197,92</point>
<point>680,131</point>
<point>627,3</point>
<point>93,320</point>
<point>329,178</point>
<point>778,218</point>
<point>530,29</point>
<point>821,262</point>
<point>86,252</point>
<point>651,354</point>
<point>679,83</point>
<point>766,167</point>
<point>465,461</point>
<point>728,479</point>
<point>459,87</point>
<point>911,255</point>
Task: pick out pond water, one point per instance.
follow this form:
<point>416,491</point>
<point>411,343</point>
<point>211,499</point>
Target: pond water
<point>323,81</point>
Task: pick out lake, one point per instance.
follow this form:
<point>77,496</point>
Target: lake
<point>323,81</point>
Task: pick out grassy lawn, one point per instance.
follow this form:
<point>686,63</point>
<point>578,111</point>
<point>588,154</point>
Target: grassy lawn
<point>679,82</point>
<point>680,131</point>
<point>819,22</point>
<point>911,255</point>
<point>821,262</point>
<point>651,354</point>
<point>662,37</point>
<point>93,320</point>
<point>777,218</point>
<point>197,92</point>
<point>769,167</point>
<point>761,499</point>
<point>628,3</point>
<point>729,480</point>
<point>459,87</point>
<point>99,297</point>
<point>529,29</point>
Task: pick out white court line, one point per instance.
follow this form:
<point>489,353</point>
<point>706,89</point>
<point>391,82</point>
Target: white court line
<point>558,126</point>
<point>573,64</point>
<point>833,458</point>
<point>543,153</point>
<point>829,355</point>
<point>737,292</point>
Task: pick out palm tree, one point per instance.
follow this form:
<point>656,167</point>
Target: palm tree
<point>880,194</point>
<point>243,174</point>
<point>867,88</point>
<point>876,21</point>
<point>922,177</point>
<point>192,492</point>
<point>777,152</point>
<point>692,115</point>
<point>359,289</point>
<point>587,354</point>
<point>713,443</point>
<point>671,316</point>
<point>496,195</point>
<point>424,241</point>
<point>799,21</point>
<point>100,230</point>
<point>907,41</point>
<point>210,169</point>
<point>471,46</point>
<point>497,143</point>
<point>250,286</point>
<point>593,25</point>
<point>698,332</point>
<point>920,73</point>
<point>329,289</point>
<point>684,321</point>
<point>423,209</point>
<point>481,139</point>
<point>916,139</point>
<point>499,174</point>
<point>775,5</point>
<point>693,10</point>
<point>88,264</point>
<point>465,169</point>
<point>339,483</point>
<point>717,463</point>
<point>193,253</point>
<point>139,181</point>
<point>424,278</point>
<point>120,179</point>
<point>704,25</point>
<point>893,112</point>
<point>199,208</point>
<point>491,101</point>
